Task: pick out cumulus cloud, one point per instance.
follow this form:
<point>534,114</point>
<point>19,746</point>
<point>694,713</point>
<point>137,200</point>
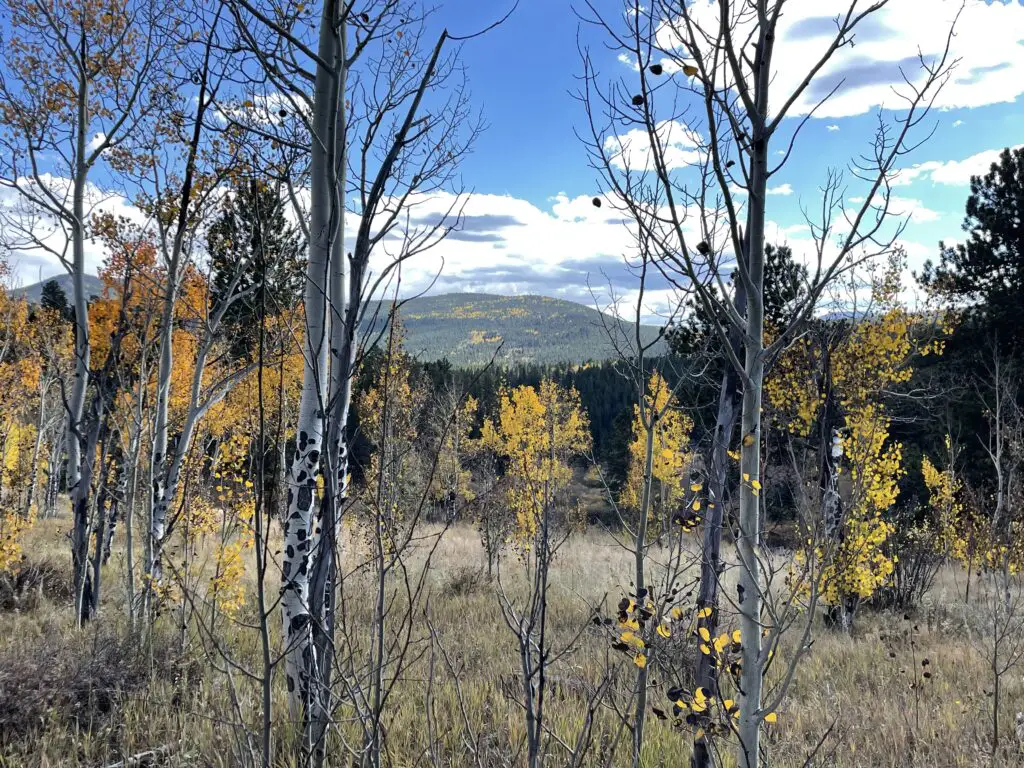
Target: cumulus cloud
<point>915,209</point>
<point>31,262</point>
<point>505,245</point>
<point>989,44</point>
<point>96,141</point>
<point>783,189</point>
<point>832,128</point>
<point>633,149</point>
<point>951,172</point>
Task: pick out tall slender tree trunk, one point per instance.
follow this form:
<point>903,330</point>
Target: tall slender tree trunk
<point>346,280</point>
<point>165,365</point>
<point>750,596</point>
<point>102,497</point>
<point>33,483</point>
<point>78,486</point>
<point>325,228</point>
<point>729,403</point>
<point>640,579</point>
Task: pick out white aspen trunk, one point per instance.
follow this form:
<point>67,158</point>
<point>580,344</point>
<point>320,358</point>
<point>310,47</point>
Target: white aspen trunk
<point>175,463</point>
<point>78,491</point>
<point>324,229</point>
<point>163,494</point>
<point>158,510</point>
<point>33,484</point>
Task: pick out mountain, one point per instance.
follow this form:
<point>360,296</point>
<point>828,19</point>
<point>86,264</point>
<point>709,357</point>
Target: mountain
<point>469,328</point>
<point>472,328</point>
<point>34,292</point>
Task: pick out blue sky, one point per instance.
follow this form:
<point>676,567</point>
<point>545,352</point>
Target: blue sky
<point>523,75</point>
<point>530,227</point>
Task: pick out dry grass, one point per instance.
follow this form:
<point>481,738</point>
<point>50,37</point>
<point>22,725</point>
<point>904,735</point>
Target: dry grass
<point>84,698</point>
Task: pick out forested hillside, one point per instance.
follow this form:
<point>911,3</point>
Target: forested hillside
<point>475,329</point>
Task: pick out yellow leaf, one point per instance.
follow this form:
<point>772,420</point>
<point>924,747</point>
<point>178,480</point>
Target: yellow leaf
<point>663,631</point>
<point>704,634</point>
<point>736,636</point>
<point>703,613</point>
<point>640,660</point>
<point>696,487</point>
<point>748,440</point>
<point>756,484</point>
<point>746,477</point>
<point>771,717</point>
<point>696,505</point>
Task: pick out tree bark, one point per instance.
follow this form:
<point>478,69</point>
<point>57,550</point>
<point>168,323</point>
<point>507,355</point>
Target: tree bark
<point>324,230</point>
<point>729,403</point>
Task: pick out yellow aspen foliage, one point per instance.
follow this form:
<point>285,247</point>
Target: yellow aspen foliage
<point>792,393</point>
<point>855,363</point>
<point>451,480</point>
<point>960,531</point>
<point>389,413</point>
<point>671,440</point>
<point>13,527</point>
<point>537,433</point>
<point>20,372</point>
<point>859,564</point>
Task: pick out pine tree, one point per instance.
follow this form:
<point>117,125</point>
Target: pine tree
<point>985,275</point>
<point>53,297</point>
<point>253,228</point>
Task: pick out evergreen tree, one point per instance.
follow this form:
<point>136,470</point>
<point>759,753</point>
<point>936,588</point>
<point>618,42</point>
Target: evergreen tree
<point>784,281</point>
<point>53,297</point>
<point>252,228</point>
<point>985,275</point>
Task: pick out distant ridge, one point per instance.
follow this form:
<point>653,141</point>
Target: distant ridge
<point>34,292</point>
<point>469,328</point>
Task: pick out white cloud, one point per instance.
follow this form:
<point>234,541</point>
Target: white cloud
<point>987,43</point>
<point>951,172</point>
<point>782,189</point>
<point>632,150</point>
<point>904,206</point>
<point>832,128</point>
<point>31,263</point>
<point>96,141</point>
<point>957,123</point>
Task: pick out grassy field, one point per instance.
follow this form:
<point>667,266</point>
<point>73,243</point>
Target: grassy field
<point>90,697</point>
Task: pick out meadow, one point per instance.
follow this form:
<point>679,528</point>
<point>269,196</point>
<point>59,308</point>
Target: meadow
<point>98,695</point>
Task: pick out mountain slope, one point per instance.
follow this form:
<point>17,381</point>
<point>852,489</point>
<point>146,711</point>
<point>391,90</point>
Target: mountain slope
<point>473,328</point>
<point>34,292</point>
